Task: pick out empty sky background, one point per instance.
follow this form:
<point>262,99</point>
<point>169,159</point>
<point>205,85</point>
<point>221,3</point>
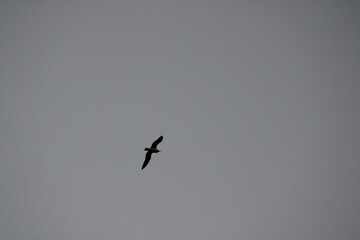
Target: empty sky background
<point>258,102</point>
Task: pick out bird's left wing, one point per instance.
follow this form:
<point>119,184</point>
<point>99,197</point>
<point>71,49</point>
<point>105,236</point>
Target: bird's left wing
<point>157,142</point>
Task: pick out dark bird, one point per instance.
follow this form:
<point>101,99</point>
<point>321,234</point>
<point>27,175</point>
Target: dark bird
<point>151,150</point>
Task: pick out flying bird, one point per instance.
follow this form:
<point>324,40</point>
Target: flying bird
<point>151,150</point>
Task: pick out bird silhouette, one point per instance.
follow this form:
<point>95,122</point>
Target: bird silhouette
<point>151,150</point>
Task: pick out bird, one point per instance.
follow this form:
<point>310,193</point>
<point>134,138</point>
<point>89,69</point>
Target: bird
<point>150,151</point>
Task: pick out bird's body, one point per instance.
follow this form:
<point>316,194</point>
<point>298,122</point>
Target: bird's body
<point>151,150</point>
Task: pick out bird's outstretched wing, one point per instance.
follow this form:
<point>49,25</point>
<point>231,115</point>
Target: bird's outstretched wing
<point>157,142</point>
<point>147,160</point>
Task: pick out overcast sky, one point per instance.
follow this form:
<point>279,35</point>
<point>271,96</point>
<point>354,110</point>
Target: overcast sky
<point>258,103</point>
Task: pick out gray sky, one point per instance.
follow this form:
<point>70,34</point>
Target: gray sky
<point>258,102</point>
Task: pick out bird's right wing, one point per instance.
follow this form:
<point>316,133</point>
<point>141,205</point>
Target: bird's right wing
<point>147,160</point>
